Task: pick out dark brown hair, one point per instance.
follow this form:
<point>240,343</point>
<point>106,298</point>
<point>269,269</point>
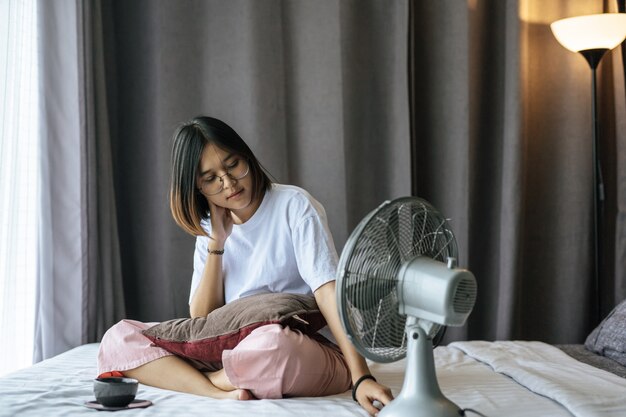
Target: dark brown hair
<point>189,207</point>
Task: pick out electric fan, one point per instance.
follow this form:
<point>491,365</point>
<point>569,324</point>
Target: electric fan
<point>397,285</point>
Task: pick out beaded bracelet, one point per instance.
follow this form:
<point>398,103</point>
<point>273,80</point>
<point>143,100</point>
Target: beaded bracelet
<point>216,252</point>
<point>358,382</point>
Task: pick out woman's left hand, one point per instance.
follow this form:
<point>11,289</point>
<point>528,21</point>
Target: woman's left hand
<point>370,391</point>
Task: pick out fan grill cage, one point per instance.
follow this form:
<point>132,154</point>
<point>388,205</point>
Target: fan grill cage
<point>392,235</point>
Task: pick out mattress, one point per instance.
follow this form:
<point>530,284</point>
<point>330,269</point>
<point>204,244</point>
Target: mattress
<point>494,378</point>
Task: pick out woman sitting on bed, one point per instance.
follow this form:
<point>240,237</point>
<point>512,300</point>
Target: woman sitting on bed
<point>259,237</point>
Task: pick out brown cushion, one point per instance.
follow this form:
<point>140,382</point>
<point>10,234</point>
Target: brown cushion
<point>204,338</point>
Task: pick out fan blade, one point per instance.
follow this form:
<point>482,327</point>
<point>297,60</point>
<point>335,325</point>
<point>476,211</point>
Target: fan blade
<point>367,294</point>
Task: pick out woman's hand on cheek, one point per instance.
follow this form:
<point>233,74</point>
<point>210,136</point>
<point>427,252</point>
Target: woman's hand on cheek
<point>221,222</point>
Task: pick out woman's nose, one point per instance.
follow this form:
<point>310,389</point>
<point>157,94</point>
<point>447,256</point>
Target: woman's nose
<point>228,181</point>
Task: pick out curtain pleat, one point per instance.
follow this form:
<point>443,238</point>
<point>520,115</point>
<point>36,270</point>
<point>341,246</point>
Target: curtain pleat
<point>619,284</point>
<point>103,297</point>
<point>497,113</point>
<point>501,144</point>
<point>59,277</point>
<point>79,290</point>
<point>317,89</point>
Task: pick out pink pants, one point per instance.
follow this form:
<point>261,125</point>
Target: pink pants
<point>271,362</point>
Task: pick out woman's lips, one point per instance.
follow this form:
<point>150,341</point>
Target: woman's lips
<point>234,194</point>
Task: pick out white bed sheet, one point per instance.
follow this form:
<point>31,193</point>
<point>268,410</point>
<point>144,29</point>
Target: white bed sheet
<point>583,389</point>
<point>60,386</point>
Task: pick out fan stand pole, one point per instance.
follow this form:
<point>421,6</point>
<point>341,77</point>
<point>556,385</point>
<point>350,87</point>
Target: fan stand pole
<point>420,395</point>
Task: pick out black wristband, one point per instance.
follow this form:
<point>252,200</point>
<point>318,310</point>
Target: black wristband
<point>358,382</point>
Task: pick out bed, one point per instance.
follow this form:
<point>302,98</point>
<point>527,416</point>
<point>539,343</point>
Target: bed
<point>508,378</point>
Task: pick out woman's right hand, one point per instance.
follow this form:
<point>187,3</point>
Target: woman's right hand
<point>221,223</point>
<point>209,294</point>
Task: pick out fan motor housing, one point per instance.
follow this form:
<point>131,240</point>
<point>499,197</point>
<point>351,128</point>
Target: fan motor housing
<point>424,280</point>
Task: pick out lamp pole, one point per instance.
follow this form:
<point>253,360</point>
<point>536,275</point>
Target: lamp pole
<point>593,57</point>
<point>592,36</point>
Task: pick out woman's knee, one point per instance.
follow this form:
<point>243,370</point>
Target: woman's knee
<point>280,361</point>
<point>124,347</point>
<point>274,341</point>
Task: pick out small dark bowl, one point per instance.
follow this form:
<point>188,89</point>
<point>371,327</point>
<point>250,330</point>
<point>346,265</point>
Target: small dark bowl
<point>115,392</point>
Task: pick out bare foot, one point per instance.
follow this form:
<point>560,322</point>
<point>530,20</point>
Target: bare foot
<point>220,380</point>
<point>159,373</point>
<point>237,394</point>
<point>244,395</point>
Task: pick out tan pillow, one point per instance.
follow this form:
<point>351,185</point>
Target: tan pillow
<point>204,338</point>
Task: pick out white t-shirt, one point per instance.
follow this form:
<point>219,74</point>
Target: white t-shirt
<point>285,246</point>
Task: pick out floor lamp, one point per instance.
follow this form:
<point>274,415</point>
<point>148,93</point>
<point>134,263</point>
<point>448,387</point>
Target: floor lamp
<point>592,36</point>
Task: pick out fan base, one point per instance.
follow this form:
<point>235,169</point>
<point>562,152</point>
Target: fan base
<point>421,407</point>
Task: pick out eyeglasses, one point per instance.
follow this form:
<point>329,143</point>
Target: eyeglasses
<point>214,184</point>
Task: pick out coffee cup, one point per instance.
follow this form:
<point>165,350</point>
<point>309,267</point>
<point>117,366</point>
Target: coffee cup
<point>114,391</point>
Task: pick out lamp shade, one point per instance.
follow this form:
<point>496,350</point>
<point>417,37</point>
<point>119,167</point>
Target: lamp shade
<point>596,31</point>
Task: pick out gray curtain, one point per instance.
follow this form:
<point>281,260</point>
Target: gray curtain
<point>497,137</point>
<point>620,155</point>
<point>103,295</point>
<point>501,143</point>
<point>57,323</point>
<point>79,283</point>
<point>317,89</point>
<point>497,112</point>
